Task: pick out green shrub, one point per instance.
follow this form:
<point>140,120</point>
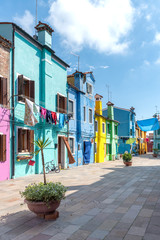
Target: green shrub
<point>127,157</point>
<point>44,193</point>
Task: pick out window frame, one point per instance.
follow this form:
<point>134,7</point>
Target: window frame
<point>90,109</point>
<point>103,127</point>
<point>58,103</point>
<point>84,114</point>
<point>91,87</point>
<point>3,91</point>
<point>29,81</point>
<point>28,143</point>
<point>95,147</point>
<point>71,137</point>
<point>3,147</point>
<point>73,113</point>
<point>108,130</point>
<point>96,124</point>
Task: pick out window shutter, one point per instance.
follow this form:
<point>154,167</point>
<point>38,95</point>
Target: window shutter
<point>30,139</point>
<point>19,139</point>
<point>20,87</point>
<point>1,148</point>
<point>4,147</point>
<point>32,90</point>
<point>57,102</point>
<point>65,105</point>
<point>3,89</point>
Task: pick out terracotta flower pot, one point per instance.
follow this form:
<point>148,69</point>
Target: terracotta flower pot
<point>127,163</point>
<point>42,207</point>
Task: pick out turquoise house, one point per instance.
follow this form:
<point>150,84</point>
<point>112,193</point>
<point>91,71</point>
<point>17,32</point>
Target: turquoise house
<point>38,74</point>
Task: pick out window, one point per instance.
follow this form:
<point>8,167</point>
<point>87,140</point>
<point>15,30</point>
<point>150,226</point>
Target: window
<point>71,144</point>
<point>71,108</point>
<point>26,87</point>
<point>95,147</point>
<point>130,132</point>
<point>25,140</point>
<point>116,130</point>
<point>103,127</point>
<point>79,146</point>
<point>108,148</point>
<point>158,131</point>
<point>90,115</point>
<point>2,148</point>
<point>84,114</point>
<point>61,104</point>
<point>108,130</point>
<point>96,126</point>
<point>158,145</point>
<point>3,91</point>
<point>89,88</point>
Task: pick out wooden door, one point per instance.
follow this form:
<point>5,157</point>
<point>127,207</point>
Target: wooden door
<point>59,150</point>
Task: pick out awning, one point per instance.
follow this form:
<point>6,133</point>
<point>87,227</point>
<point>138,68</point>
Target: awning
<point>70,156</point>
<point>151,124</point>
<point>130,140</point>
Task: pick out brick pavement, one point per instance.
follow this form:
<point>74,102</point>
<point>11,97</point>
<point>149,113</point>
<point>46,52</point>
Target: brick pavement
<point>104,201</point>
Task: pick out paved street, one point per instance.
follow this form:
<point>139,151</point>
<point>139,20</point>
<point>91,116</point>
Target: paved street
<point>104,201</point>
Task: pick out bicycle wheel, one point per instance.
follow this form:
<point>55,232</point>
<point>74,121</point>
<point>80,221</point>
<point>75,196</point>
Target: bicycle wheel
<point>57,169</point>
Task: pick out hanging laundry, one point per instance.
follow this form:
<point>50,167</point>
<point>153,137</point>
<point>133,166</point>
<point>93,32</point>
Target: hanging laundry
<point>29,118</point>
<point>57,117</point>
<point>61,120</point>
<point>43,112</point>
<point>54,117</point>
<point>66,119</point>
<point>49,118</point>
<point>36,109</point>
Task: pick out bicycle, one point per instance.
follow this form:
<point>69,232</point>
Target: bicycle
<point>50,167</point>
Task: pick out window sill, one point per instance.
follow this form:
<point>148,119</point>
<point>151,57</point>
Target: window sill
<point>24,156</point>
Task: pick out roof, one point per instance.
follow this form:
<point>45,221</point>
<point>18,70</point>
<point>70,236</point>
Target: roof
<point>96,114</point>
<point>83,73</point>
<point>5,42</point>
<point>27,35</point>
<point>109,103</point>
<point>43,26</point>
<point>97,95</point>
<point>118,108</point>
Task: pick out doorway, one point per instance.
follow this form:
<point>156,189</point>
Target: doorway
<point>61,152</point>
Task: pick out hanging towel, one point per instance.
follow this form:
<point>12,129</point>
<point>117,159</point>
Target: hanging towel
<point>43,112</point>
<point>61,120</point>
<point>151,124</point>
<point>87,151</point>
<point>36,109</point>
<point>66,119</point>
<point>49,118</point>
<point>54,117</point>
<point>57,117</point>
<point>29,118</point>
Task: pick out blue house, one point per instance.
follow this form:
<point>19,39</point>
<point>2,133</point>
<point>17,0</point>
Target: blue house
<point>39,75</point>
<point>81,124</point>
<point>126,129</point>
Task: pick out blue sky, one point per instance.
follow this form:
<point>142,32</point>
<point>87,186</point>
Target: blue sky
<point>118,40</point>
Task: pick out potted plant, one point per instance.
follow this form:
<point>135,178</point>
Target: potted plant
<point>155,152</point>
<point>44,198</point>
<point>127,159</point>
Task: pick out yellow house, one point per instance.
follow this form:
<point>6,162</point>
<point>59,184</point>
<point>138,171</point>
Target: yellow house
<point>141,140</point>
<point>100,131</point>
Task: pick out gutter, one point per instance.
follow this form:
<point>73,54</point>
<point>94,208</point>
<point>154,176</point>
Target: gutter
<point>13,132</point>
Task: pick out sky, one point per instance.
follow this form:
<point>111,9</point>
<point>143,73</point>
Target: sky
<point>118,40</point>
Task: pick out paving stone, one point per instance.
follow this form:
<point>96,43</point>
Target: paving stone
<point>41,236</point>
<point>149,236</point>
<point>99,234</point>
<point>79,235</point>
<point>132,237</point>
<point>146,212</point>
<point>70,229</point>
<point>139,231</point>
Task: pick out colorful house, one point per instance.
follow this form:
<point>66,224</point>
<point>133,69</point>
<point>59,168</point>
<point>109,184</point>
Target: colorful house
<point>106,132</point>
<point>126,129</point>
<point>5,47</point>
<point>81,109</point>
<point>39,75</point>
<point>156,139</point>
<point>141,142</point>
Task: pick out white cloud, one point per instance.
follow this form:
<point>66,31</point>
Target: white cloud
<point>26,21</point>
<point>146,62</point>
<point>157,38</point>
<point>104,67</point>
<point>157,61</point>
<point>148,17</point>
<point>101,25</point>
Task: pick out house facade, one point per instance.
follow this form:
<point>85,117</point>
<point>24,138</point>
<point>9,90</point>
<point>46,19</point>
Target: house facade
<point>126,129</point>
<point>156,139</point>
<point>106,132</point>
<point>5,48</point>
<point>41,77</point>
<point>81,124</point>
<point>141,142</point>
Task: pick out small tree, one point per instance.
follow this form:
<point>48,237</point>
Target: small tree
<point>42,144</point>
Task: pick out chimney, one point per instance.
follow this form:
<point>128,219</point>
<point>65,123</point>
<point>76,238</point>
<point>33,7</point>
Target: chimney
<point>110,110</point>
<point>44,34</point>
<point>98,104</point>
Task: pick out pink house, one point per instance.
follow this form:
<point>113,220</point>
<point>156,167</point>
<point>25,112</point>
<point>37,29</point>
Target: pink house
<point>5,47</point>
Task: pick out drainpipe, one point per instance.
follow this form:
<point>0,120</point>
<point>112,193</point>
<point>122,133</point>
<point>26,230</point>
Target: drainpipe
<point>13,133</point>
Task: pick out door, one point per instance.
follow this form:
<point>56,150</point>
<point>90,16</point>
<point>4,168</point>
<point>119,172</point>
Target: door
<point>104,151</point>
<point>61,152</point>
